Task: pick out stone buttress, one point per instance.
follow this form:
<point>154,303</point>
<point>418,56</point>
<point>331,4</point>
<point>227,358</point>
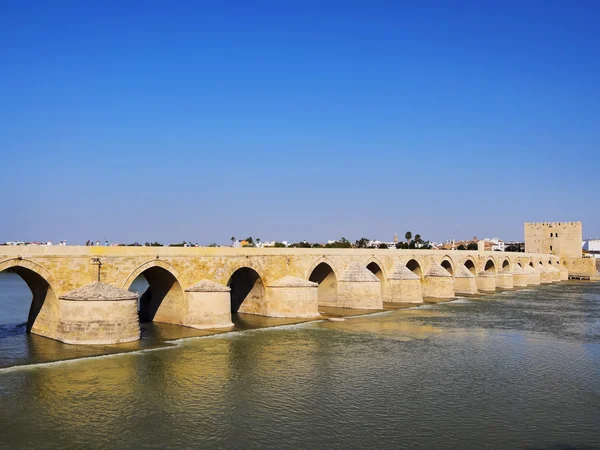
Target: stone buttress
<point>437,282</point>
<point>533,276</point>
<point>402,285</point>
<point>208,306</point>
<point>292,297</point>
<point>464,281</point>
<point>99,313</point>
<point>519,276</point>
<point>486,281</point>
<point>359,288</point>
<point>504,279</point>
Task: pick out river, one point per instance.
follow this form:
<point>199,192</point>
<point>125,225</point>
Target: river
<point>517,369</point>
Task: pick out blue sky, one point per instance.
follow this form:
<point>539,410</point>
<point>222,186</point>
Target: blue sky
<point>309,120</point>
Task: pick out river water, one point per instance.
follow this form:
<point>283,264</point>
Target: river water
<point>518,369</point>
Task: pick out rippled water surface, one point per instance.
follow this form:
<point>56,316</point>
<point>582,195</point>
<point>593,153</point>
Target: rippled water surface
<point>518,369</point>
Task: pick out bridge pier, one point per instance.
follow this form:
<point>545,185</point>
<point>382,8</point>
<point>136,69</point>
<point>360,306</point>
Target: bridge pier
<point>564,273</point>
<point>504,280</point>
<point>437,282</point>
<point>359,288</point>
<point>519,277</point>
<point>292,297</point>
<point>98,313</point>
<point>464,281</point>
<point>545,274</point>
<point>486,281</point>
<point>208,306</point>
<point>402,285</point>
<point>533,276</point>
<point>555,273</point>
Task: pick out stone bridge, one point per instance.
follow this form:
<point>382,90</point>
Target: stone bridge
<point>202,287</point>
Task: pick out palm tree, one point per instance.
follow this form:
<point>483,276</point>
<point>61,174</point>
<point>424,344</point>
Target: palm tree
<point>408,237</point>
<point>232,239</point>
<point>257,241</point>
<point>418,238</point>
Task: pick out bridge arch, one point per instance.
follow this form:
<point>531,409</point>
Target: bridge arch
<point>471,265</point>
<point>44,314</point>
<point>447,264</point>
<point>414,266</point>
<point>377,268</point>
<point>324,274</point>
<point>247,291</point>
<point>490,266</point>
<point>163,300</point>
<point>506,267</point>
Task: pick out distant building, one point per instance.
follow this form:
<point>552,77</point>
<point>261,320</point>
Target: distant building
<point>494,244</point>
<point>272,243</point>
<point>376,243</point>
<point>591,247</point>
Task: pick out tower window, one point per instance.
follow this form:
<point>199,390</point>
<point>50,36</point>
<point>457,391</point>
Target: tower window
<point>551,235</point>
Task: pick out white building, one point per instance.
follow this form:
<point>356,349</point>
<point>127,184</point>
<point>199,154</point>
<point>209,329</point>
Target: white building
<point>496,244</point>
<point>591,247</point>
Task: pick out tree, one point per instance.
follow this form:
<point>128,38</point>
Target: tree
<point>426,246</point>
<point>362,243</point>
<point>418,238</point>
<point>408,237</point>
<point>258,240</point>
<point>249,240</point>
<point>383,245</point>
<point>461,247</point>
<point>279,244</point>
<point>472,246</point>
<point>232,239</point>
<point>342,243</point>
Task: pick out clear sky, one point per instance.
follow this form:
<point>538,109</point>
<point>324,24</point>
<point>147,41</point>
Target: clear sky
<point>197,121</point>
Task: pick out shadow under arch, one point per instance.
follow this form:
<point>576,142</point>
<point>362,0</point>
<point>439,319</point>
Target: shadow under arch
<point>376,268</point>
<point>247,291</point>
<point>44,315</point>
<point>414,266</point>
<point>447,264</point>
<point>490,266</point>
<point>506,265</point>
<point>163,300</point>
<point>324,275</point>
<point>470,265</point>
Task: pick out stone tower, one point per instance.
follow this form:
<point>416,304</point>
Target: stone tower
<point>559,238</point>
